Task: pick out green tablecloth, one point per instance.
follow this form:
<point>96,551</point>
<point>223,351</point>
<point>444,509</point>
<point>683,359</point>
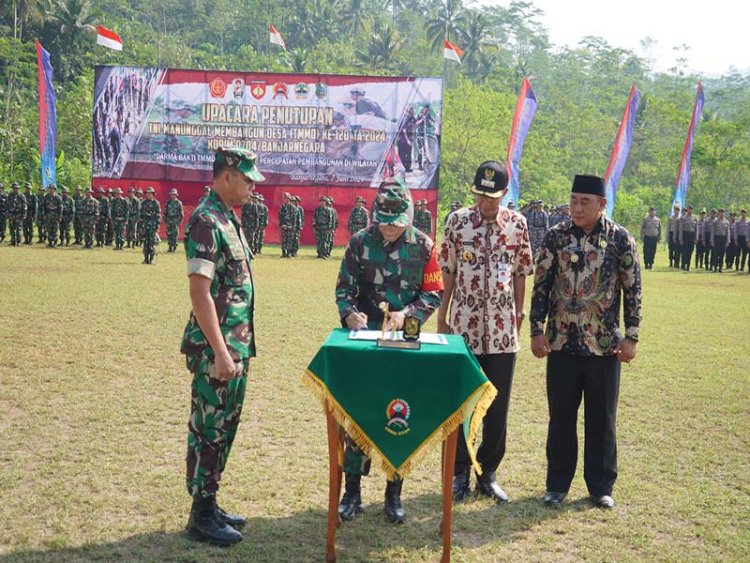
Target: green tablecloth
<point>395,403</point>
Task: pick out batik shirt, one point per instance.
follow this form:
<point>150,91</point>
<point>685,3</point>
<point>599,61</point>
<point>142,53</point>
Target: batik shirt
<point>404,273</point>
<point>217,249</point>
<point>484,256</point>
<point>578,282</point>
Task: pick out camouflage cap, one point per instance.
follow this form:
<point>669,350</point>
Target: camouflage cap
<point>89,190</point>
<point>52,187</point>
<point>118,190</point>
<point>100,190</point>
<point>324,198</point>
<point>41,188</point>
<point>360,198</point>
<point>394,203</point>
<point>110,191</point>
<point>260,197</point>
<point>139,191</point>
<point>79,188</point>
<point>64,189</point>
<point>173,191</point>
<point>241,159</point>
<point>15,185</point>
<point>27,185</point>
<point>150,190</point>
<point>131,190</point>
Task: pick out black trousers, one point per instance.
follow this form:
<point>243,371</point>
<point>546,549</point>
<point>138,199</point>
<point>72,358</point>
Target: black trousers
<point>719,249</point>
<point>597,380</point>
<point>688,243</point>
<point>499,370</point>
<point>700,251</point>
<point>708,256</point>
<point>743,253</point>
<point>649,250</point>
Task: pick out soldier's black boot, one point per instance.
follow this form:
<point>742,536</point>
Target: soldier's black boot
<point>461,488</point>
<point>205,526</point>
<point>234,520</point>
<point>394,512</point>
<point>351,502</point>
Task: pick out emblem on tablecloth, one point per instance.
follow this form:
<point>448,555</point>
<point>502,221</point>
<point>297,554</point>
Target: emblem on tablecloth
<point>398,413</point>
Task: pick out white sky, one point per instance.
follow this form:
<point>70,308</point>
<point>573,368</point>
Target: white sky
<point>717,31</point>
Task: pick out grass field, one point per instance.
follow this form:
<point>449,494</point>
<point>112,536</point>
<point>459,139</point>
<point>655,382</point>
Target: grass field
<point>94,398</point>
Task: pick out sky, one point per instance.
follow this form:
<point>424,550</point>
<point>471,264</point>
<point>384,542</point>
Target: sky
<point>716,31</point>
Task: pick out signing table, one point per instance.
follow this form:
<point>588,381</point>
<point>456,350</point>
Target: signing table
<point>397,404</point>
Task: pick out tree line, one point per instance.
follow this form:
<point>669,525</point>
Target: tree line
<point>581,91</point>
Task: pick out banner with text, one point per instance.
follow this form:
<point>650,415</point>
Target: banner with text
<point>307,129</point>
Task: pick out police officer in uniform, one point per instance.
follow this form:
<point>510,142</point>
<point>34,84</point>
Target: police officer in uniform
<point>720,235</point>
<point>538,221</point>
<point>673,228</point>
<point>687,232</point>
<point>742,229</point>
<point>651,236</point>
<point>700,240</point>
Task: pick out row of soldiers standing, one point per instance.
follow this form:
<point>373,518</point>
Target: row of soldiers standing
<point>108,219</point>
<point>254,222</point>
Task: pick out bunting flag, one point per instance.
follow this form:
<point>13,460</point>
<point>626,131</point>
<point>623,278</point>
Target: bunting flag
<point>108,38</point>
<point>275,37</point>
<point>683,174</point>
<point>621,149</point>
<point>525,110</point>
<point>47,117</point>
<point>452,52</point>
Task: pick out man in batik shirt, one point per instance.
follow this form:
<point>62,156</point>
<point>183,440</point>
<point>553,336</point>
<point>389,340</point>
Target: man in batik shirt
<point>485,257</point>
<point>583,270</point>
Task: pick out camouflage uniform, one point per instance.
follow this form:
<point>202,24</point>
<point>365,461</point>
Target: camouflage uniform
<point>134,211</point>
<point>260,232</point>
<point>538,223</point>
<point>373,271</point>
<point>173,215</point>
<point>150,220</point>
<point>298,225</point>
<point>16,214</point>
<point>77,217</point>
<point>3,211</point>
<point>321,226</point>
<point>217,250</point>
<point>423,218</point>
<point>287,219</point>
<point>89,217</point>
<point>358,218</point>
<point>109,231</point>
<point>103,219</point>
<point>52,215</point>
<point>249,218</point>
<point>119,208</point>
<point>32,205</point>
<point>68,216</point>
<point>41,220</point>
<point>332,230</point>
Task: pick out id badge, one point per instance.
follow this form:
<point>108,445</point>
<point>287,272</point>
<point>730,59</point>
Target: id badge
<point>503,274</point>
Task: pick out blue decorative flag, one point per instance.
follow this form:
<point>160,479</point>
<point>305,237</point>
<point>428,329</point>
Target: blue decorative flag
<point>47,117</point>
<point>620,151</point>
<point>683,174</point>
<point>525,110</point>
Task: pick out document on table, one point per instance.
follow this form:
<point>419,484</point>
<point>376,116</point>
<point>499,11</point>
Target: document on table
<point>425,337</point>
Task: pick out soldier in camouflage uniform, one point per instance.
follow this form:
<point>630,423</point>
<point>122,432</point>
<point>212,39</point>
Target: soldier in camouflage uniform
<point>394,262</point>
<point>68,215</point>
<point>423,218</point>
<point>52,215</point>
<point>287,219</point>
<point>173,215</point>
<point>134,210</point>
<point>77,220</point>
<point>103,218</point>
<point>249,217</point>
<point>16,213</point>
<point>260,232</point>
<point>218,341</point>
<point>119,210</point>
<point>334,226</point>
<point>109,233</point>
<point>3,211</point>
<point>150,220</point>
<point>32,206</point>
<point>538,223</point>
<point>89,217</point>
<point>139,226</point>
<point>41,219</point>
<point>358,217</point>
<point>298,225</point>
<point>321,226</point>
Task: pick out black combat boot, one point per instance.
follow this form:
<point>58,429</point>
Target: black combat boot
<point>205,526</point>
<point>394,512</point>
<point>351,502</point>
<point>461,488</point>
<point>488,487</point>
<point>234,520</point>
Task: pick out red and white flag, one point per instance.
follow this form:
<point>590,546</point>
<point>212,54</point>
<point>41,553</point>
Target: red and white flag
<point>276,37</point>
<point>108,38</point>
<point>452,52</point>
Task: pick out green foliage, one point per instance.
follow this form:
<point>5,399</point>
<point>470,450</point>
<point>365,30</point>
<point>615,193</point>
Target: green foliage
<point>582,91</point>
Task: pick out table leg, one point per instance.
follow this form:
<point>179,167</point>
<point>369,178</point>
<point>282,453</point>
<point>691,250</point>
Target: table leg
<point>334,484</point>
<point>449,460</point>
